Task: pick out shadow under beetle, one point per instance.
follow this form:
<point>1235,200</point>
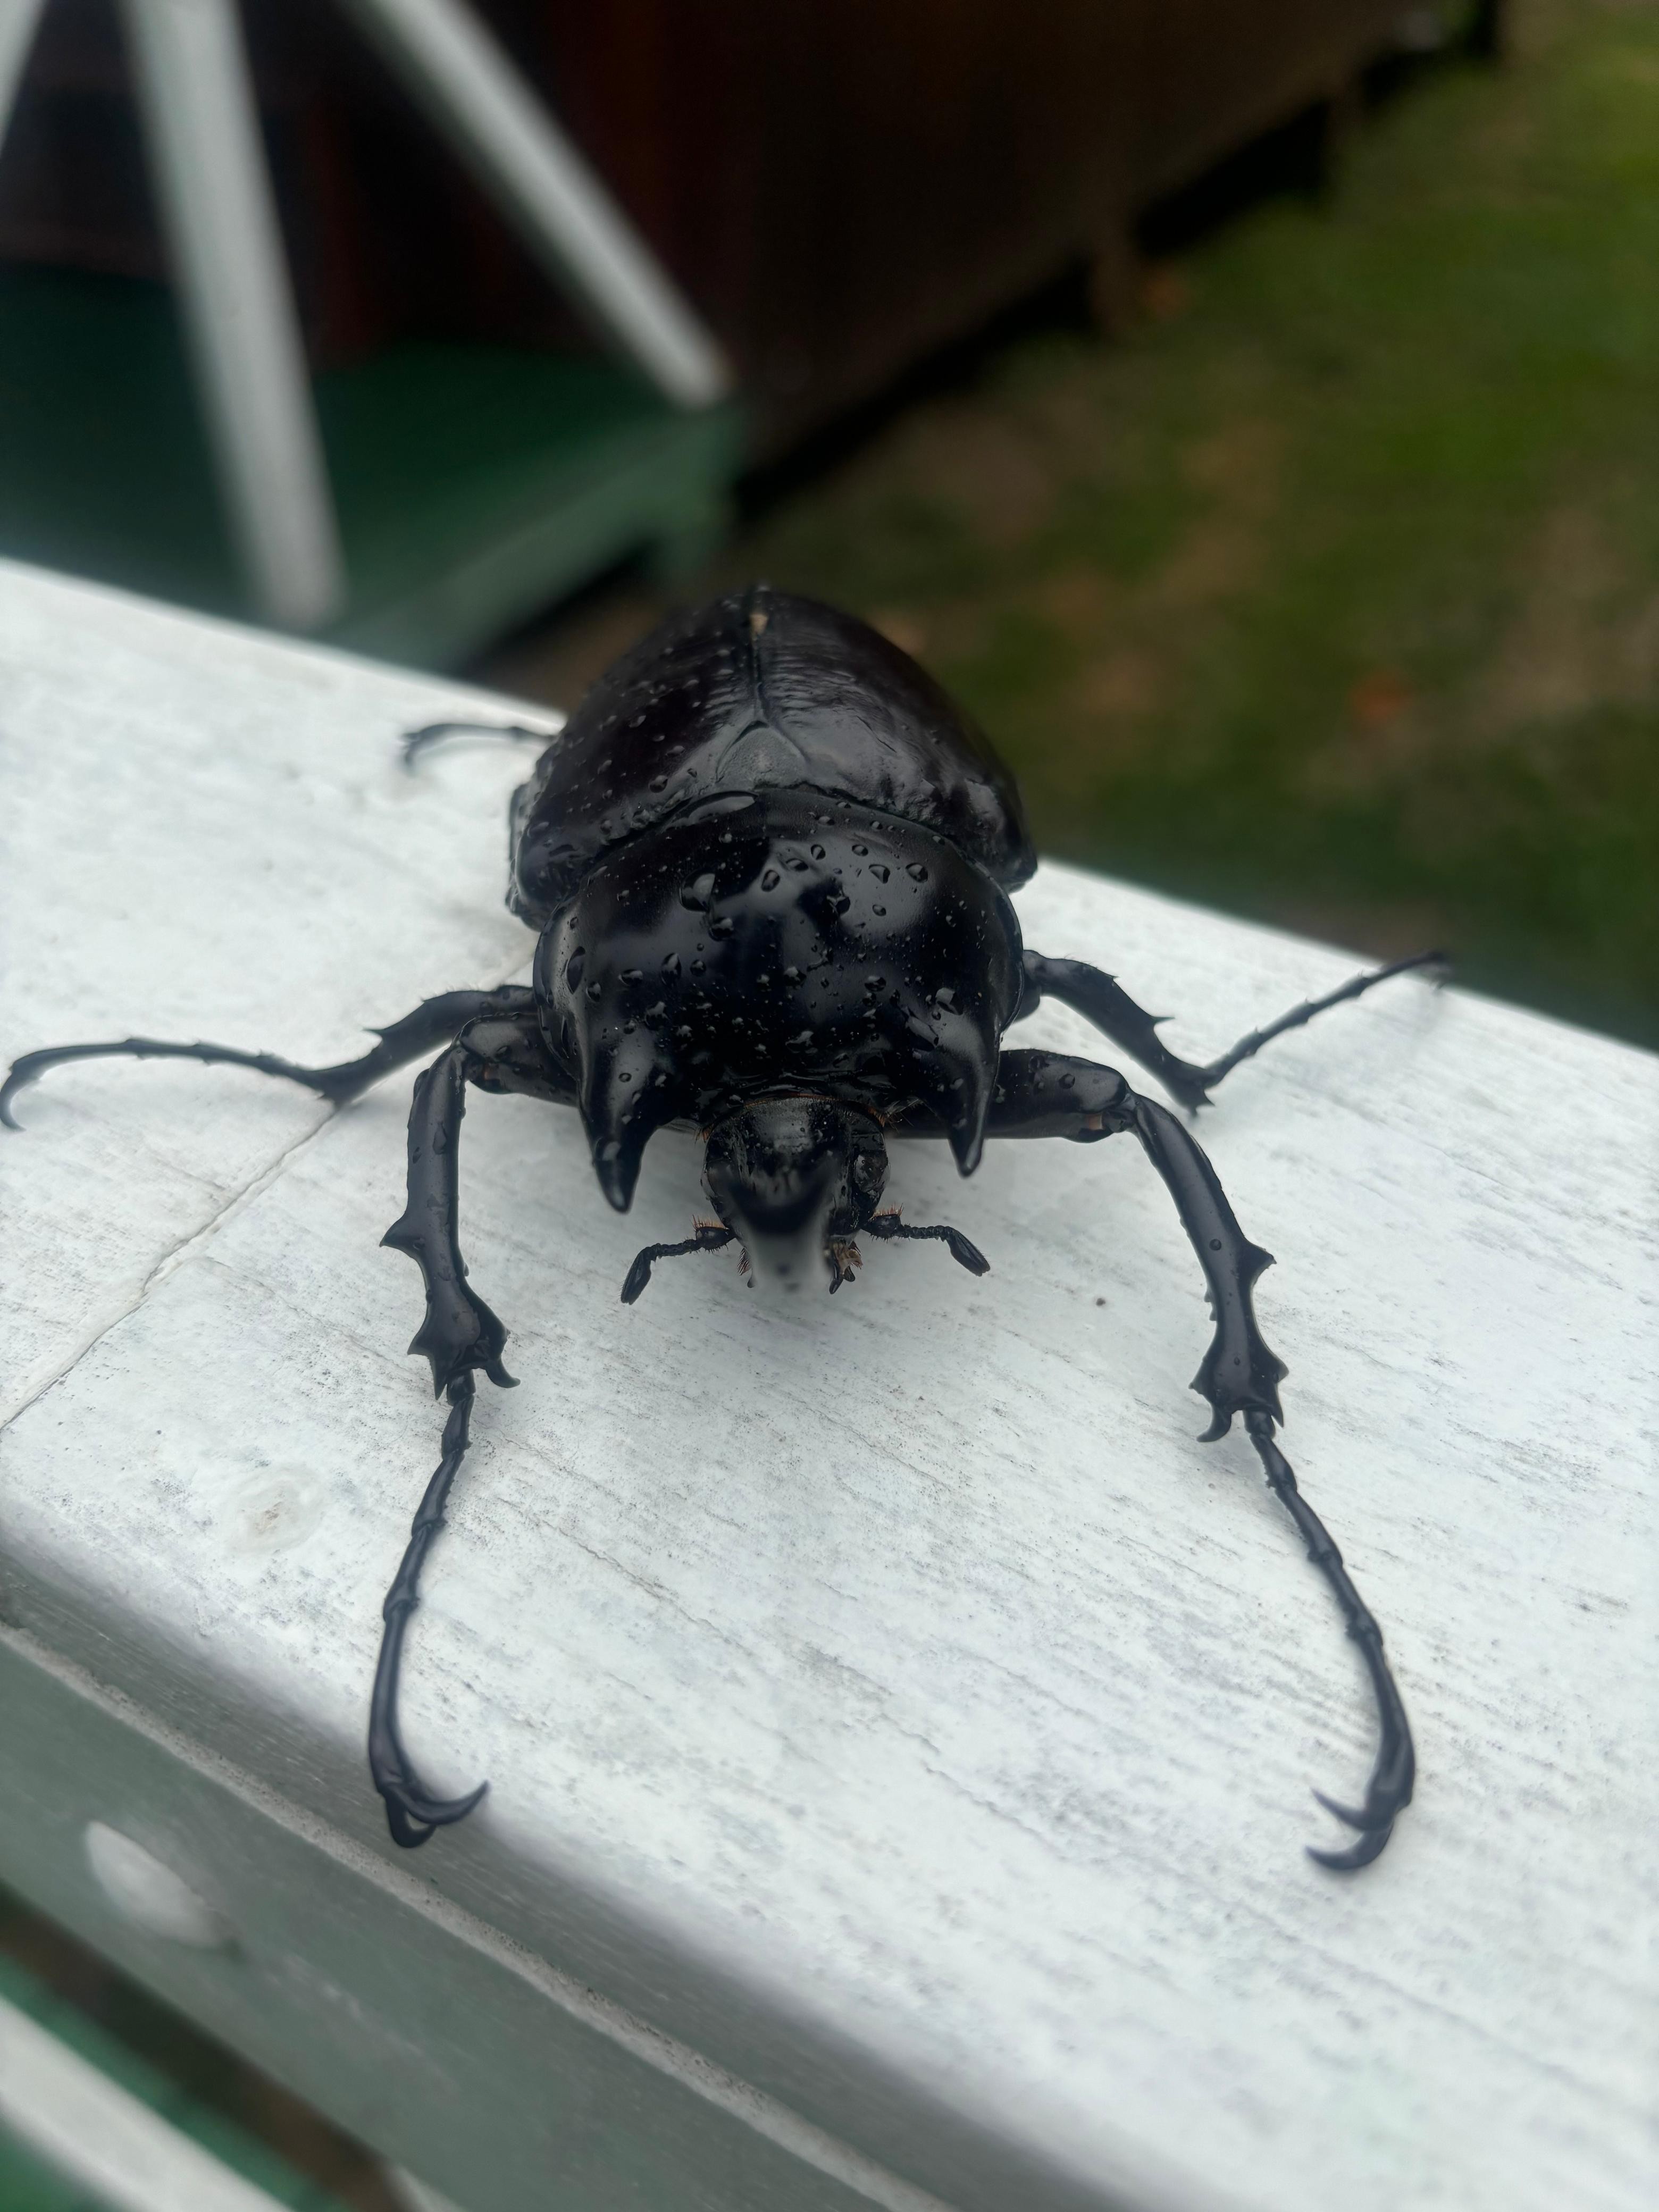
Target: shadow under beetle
<point>768,862</point>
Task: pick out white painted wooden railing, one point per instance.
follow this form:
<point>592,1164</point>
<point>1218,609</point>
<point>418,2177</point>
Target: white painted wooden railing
<point>900,1728</point>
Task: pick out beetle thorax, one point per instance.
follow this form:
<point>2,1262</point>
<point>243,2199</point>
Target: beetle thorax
<point>778,945</point>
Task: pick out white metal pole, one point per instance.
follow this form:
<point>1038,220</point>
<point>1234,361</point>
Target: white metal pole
<point>202,128</point>
<point>471,90</point>
<point>18,21</point>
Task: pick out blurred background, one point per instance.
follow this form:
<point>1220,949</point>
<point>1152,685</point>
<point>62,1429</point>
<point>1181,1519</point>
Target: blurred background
<point>1250,408</point>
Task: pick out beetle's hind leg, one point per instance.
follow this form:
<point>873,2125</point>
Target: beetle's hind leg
<point>1102,1000</point>
<point>435,1021</point>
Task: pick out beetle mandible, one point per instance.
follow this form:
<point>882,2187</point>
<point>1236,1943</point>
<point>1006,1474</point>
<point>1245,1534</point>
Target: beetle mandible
<point>769,863</point>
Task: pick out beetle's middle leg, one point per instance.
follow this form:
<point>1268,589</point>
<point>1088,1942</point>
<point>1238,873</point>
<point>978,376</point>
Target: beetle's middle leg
<point>1102,999</point>
<point>459,1335</point>
<point>1049,1094</point>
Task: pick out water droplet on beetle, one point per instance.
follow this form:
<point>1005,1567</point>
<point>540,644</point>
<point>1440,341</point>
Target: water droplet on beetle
<point>670,966</point>
<point>1215,1243</point>
<point>595,991</point>
<point>632,974</point>
<point>574,966</point>
<point>917,869</point>
<point>770,880</point>
<point>878,909</point>
<point>860,850</point>
<point>695,896</point>
<point>880,871</point>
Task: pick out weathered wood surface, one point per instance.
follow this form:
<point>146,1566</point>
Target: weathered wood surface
<point>888,1698</point>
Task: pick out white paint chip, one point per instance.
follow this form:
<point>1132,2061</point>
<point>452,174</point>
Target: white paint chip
<point>148,1895</point>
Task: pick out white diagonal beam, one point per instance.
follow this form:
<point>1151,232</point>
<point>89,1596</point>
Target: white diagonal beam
<point>100,2136</point>
<point>18,21</point>
<point>201,130</point>
<point>472,92</point>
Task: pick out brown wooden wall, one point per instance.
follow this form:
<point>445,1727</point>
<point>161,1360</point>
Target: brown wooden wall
<point>840,185</point>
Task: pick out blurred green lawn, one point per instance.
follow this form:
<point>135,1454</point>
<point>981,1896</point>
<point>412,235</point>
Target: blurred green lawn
<point>1331,595</point>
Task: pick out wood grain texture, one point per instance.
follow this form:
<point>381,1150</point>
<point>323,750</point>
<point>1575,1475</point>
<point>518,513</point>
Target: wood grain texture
<point>888,1697</point>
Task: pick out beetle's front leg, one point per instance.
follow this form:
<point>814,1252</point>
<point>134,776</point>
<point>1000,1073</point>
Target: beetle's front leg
<point>1239,1374</point>
<point>459,1335</point>
<point>1051,1095</point>
<point>459,1332</point>
<point>413,1814</point>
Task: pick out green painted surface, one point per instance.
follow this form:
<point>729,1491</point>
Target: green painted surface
<point>1331,595</point>
<point>27,2186</point>
<point>473,484</point>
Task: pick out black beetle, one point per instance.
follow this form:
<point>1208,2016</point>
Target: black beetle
<point>769,863</point>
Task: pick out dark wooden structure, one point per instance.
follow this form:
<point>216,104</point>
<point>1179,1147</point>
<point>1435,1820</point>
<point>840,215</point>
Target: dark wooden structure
<point>840,188</point>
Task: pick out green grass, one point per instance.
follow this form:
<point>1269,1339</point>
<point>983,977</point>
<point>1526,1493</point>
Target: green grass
<point>1331,595</point>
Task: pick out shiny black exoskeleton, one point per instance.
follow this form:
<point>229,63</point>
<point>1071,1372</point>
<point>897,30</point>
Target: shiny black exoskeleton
<point>769,865</point>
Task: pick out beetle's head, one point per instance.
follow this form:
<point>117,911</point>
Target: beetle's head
<point>795,1180</point>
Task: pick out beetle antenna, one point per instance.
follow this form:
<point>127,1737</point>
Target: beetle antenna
<point>964,1254</point>
<point>1389,1789</point>
<point>709,1238</point>
<point>432,734</point>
